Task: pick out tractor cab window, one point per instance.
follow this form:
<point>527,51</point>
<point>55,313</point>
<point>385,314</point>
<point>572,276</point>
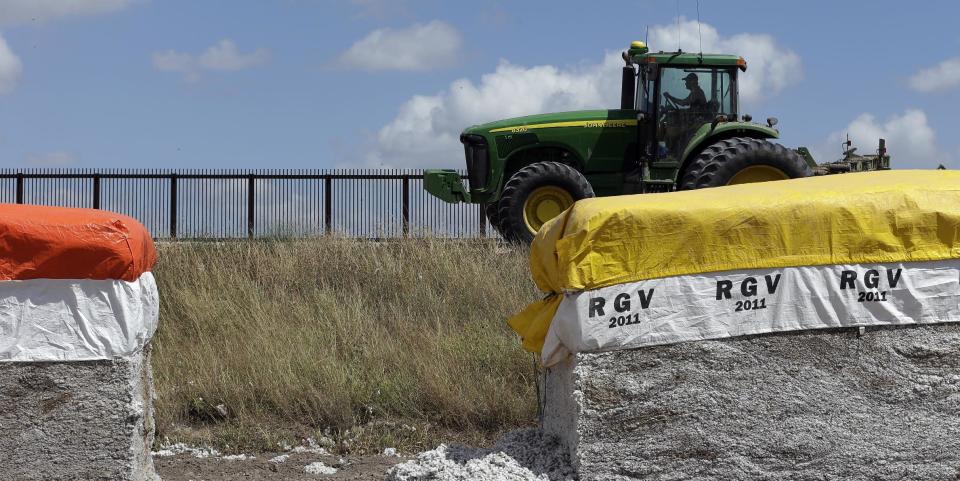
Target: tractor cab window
<point>646,83</point>
<point>722,92</point>
<point>707,92</point>
<point>689,98</point>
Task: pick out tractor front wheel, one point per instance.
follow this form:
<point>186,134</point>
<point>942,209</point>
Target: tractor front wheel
<point>536,194</point>
<point>743,160</point>
<point>493,215</point>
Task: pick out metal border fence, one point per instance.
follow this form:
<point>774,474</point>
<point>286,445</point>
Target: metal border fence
<point>196,204</point>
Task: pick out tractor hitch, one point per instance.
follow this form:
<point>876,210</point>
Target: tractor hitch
<point>446,185</point>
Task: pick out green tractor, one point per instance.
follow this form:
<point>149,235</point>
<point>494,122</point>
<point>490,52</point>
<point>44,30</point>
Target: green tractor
<point>678,127</point>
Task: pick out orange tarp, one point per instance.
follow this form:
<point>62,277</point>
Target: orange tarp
<point>39,242</point>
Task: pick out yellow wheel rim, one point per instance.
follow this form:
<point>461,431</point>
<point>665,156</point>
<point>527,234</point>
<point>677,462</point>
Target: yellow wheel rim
<point>757,173</point>
<point>543,204</point>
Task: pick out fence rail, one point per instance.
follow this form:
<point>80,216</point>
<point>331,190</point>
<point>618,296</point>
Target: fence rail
<point>178,204</point>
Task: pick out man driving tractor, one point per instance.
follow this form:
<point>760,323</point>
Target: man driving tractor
<point>684,121</point>
<point>697,100</point>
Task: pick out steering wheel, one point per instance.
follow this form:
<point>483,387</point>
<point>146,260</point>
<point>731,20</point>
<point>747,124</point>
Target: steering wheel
<point>671,104</point>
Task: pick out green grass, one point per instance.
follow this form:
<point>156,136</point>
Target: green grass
<point>397,343</point>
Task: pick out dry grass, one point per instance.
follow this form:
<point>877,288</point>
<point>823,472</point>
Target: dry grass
<point>354,338</point>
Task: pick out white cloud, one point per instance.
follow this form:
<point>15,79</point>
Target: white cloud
<point>223,56</point>
<point>50,159</point>
<point>10,68</point>
<point>14,12</point>
<point>945,75</point>
<point>911,141</point>
<point>425,132</point>
<point>770,67</point>
<point>418,47</point>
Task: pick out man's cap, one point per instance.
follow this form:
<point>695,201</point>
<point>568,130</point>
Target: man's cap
<point>691,76</point>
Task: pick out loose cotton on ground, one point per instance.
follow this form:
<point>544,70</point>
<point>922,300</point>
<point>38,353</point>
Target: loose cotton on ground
<point>525,455</point>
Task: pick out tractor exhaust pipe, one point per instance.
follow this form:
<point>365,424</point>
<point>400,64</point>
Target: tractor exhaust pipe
<point>629,88</point>
<point>881,154</point>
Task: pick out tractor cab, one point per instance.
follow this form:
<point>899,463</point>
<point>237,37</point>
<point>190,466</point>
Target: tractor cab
<point>679,100</point>
<point>675,94</point>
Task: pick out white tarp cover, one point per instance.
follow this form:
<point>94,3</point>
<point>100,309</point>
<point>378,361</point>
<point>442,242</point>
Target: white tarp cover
<point>76,319</point>
<point>742,302</point>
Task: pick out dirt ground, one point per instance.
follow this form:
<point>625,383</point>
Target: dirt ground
<point>184,467</point>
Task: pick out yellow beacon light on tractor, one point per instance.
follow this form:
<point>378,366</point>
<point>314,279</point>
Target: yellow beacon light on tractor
<point>638,48</point>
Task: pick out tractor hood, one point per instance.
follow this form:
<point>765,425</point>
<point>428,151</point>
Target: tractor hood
<point>578,118</point>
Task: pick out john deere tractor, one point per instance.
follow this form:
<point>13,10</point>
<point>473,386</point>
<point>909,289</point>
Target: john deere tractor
<point>678,127</point>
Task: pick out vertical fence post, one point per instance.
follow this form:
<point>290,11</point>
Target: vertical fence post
<point>405,206</point>
<point>327,204</point>
<point>173,205</point>
<point>251,192</point>
<point>19,187</point>
<point>483,220</point>
<point>96,191</point>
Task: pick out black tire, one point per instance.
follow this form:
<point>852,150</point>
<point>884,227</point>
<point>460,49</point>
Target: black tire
<point>720,162</point>
<point>513,227</point>
<point>492,212</point>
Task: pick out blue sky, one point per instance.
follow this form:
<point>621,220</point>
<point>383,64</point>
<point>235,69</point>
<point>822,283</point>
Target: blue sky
<point>368,83</point>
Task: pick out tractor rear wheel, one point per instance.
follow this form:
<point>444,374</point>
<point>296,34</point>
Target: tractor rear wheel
<point>742,160</point>
<point>536,194</point>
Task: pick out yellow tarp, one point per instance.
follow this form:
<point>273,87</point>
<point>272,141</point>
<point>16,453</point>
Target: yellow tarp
<point>875,217</point>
